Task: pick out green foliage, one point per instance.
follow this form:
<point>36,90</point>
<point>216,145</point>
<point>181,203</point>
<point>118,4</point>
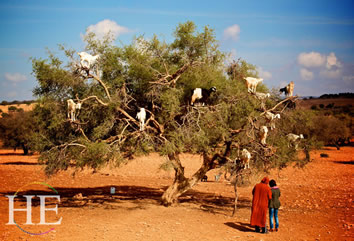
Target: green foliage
<point>160,77</point>
<point>330,130</point>
<point>12,108</point>
<point>16,129</point>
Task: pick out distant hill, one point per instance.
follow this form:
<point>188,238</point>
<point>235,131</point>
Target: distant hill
<point>342,104</point>
<point>336,96</point>
<point>15,107</point>
<point>17,102</point>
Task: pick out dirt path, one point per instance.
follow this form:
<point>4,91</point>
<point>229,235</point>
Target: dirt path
<point>317,202</point>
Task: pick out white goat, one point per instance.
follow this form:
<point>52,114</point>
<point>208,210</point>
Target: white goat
<point>87,60</point>
<point>263,134</point>
<point>251,84</point>
<point>245,158</point>
<point>271,118</point>
<point>292,138</point>
<point>141,116</point>
<point>261,96</point>
<point>72,109</point>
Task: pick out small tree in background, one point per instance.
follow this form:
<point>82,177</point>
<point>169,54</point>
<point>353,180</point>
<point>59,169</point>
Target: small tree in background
<point>160,77</point>
<point>16,130</point>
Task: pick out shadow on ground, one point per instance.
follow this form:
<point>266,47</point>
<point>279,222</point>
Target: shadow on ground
<point>20,163</point>
<point>345,162</point>
<point>243,227</point>
<point>14,154</point>
<point>138,195</point>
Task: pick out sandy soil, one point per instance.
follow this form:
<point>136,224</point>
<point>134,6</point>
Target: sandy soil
<point>317,202</point>
<point>25,107</point>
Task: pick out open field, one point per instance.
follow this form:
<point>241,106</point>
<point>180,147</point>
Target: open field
<point>25,107</point>
<point>306,104</point>
<point>317,202</point>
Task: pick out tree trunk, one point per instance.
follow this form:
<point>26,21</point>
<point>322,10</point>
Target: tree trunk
<point>307,154</point>
<point>336,145</point>
<point>25,149</point>
<point>181,184</point>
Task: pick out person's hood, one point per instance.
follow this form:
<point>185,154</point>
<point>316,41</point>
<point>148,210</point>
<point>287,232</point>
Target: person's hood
<point>265,180</point>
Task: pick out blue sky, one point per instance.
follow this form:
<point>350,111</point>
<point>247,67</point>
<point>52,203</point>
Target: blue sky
<point>308,42</point>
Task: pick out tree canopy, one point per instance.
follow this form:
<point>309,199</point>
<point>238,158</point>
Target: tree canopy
<point>158,76</point>
<point>16,129</point>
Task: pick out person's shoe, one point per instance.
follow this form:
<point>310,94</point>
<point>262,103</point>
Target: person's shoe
<point>271,230</point>
<point>257,229</point>
<point>276,229</point>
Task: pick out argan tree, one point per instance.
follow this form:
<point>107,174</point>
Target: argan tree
<point>16,129</point>
<point>160,77</point>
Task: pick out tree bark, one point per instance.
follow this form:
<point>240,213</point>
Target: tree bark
<point>25,149</point>
<point>181,184</point>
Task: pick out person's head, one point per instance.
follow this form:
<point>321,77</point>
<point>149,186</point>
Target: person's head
<point>265,180</point>
<point>272,183</point>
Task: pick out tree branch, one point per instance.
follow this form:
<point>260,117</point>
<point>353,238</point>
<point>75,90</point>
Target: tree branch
<point>101,82</point>
<point>96,98</point>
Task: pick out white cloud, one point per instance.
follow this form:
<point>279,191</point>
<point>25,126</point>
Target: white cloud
<point>103,27</point>
<point>332,61</point>
<point>15,77</point>
<point>232,32</point>
<point>264,74</point>
<point>312,59</point>
<point>331,74</point>
<point>306,74</point>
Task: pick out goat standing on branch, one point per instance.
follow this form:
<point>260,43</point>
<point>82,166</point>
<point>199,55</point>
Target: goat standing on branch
<point>288,90</point>
<point>141,116</point>
<point>72,109</point>
<point>293,139</point>
<point>263,134</point>
<point>251,84</point>
<point>87,61</point>
<point>261,96</point>
<point>245,158</point>
<point>271,118</point>
<point>201,95</point>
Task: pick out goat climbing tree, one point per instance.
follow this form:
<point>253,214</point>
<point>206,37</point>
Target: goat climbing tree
<point>158,76</point>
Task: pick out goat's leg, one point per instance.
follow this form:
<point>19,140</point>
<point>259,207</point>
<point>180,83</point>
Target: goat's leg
<point>193,100</point>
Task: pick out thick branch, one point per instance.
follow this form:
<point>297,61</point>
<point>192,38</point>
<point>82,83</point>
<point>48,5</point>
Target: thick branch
<point>281,102</point>
<point>96,98</point>
<point>103,84</point>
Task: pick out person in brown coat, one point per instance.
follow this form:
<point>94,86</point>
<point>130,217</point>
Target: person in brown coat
<point>274,205</point>
<point>261,196</point>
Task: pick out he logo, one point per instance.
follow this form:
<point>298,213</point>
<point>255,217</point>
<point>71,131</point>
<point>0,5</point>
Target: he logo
<point>28,209</point>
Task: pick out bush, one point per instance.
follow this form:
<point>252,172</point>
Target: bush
<point>16,130</point>
<point>330,130</point>
<point>12,108</point>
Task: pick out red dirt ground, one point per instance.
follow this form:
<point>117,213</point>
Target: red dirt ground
<point>317,202</point>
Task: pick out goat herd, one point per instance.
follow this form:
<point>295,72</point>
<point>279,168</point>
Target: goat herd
<point>201,95</point>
